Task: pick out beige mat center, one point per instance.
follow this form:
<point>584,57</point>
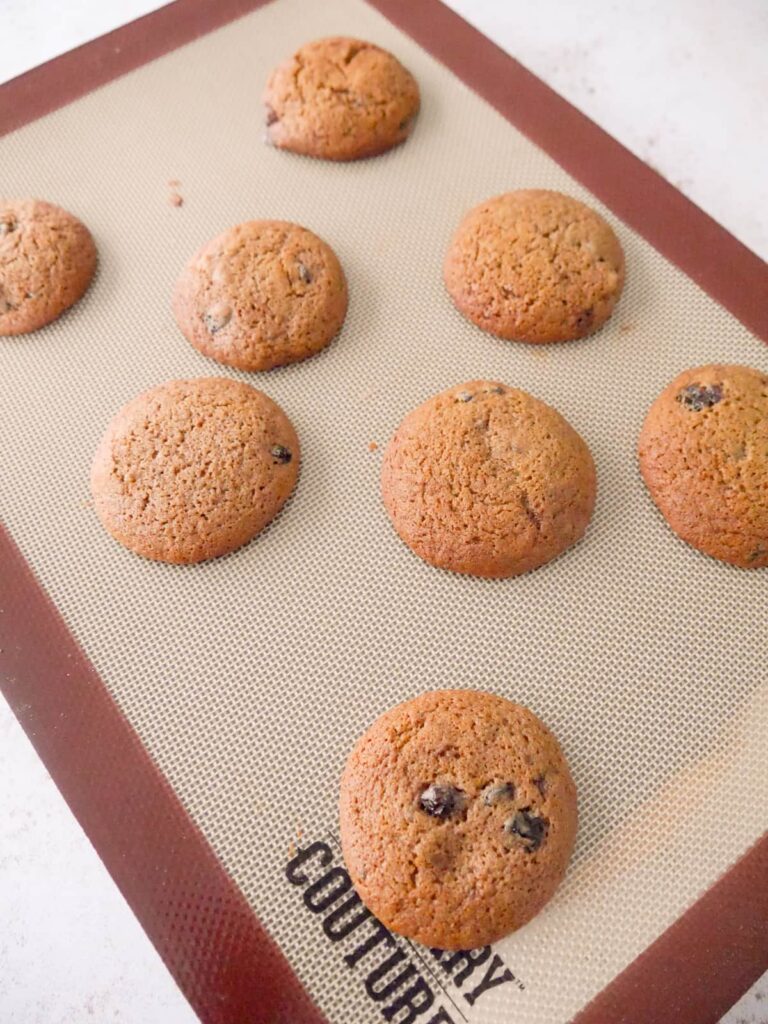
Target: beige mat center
<point>249,678</point>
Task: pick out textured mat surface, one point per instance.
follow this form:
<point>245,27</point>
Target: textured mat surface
<point>249,678</point>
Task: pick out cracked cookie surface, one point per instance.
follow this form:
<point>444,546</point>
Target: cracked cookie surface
<point>340,99</point>
<point>457,816</point>
<point>487,480</point>
<point>193,469</point>
<point>703,453</point>
<point>535,266</point>
<point>47,261</point>
<point>260,295</point>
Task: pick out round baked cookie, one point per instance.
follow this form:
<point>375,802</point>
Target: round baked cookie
<point>704,457</point>
<point>262,294</point>
<point>194,469</point>
<point>458,817</point>
<point>47,261</point>
<point>340,99</point>
<point>486,480</point>
<point>535,266</point>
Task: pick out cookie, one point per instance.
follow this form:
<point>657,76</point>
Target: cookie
<point>47,261</point>
<point>486,480</point>
<point>263,294</point>
<point>340,99</point>
<point>458,816</point>
<point>194,469</point>
<point>535,266</point>
<point>704,457</point>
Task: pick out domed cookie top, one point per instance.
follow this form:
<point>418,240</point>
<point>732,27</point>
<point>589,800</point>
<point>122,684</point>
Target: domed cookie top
<point>535,266</point>
<point>194,469</point>
<point>704,456</point>
<point>458,817</point>
<point>262,294</point>
<point>486,480</point>
<point>340,99</point>
<point>47,261</point>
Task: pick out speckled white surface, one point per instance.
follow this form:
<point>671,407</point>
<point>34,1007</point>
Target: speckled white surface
<point>71,950</point>
<point>752,1008</point>
<point>39,30</point>
<point>684,86</point>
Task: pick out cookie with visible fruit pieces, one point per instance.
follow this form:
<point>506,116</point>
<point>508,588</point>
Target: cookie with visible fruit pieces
<point>340,99</point>
<point>458,817</point>
<point>535,266</point>
<point>703,453</point>
<point>47,261</point>
<point>262,294</point>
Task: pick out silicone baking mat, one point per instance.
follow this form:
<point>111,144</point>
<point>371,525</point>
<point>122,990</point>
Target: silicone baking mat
<point>249,678</point>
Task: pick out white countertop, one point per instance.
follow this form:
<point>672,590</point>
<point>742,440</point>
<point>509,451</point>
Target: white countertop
<point>685,86</point>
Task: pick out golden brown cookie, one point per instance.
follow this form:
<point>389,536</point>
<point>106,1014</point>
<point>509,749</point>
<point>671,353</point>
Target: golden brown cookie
<point>47,261</point>
<point>704,456</point>
<point>194,469</point>
<point>535,266</point>
<point>458,817</point>
<point>340,99</point>
<point>486,480</point>
<point>261,295</point>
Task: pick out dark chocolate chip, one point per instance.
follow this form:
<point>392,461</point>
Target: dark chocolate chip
<point>7,225</point>
<point>441,801</point>
<point>464,396</point>
<point>497,389</point>
<point>530,829</point>
<point>280,453</point>
<point>498,791</point>
<point>271,116</point>
<point>699,396</point>
<point>304,273</point>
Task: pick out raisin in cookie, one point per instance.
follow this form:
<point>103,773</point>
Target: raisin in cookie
<point>263,294</point>
<point>47,261</point>
<point>486,480</point>
<point>194,469</point>
<point>704,457</point>
<point>340,99</point>
<point>458,817</point>
<point>535,266</point>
